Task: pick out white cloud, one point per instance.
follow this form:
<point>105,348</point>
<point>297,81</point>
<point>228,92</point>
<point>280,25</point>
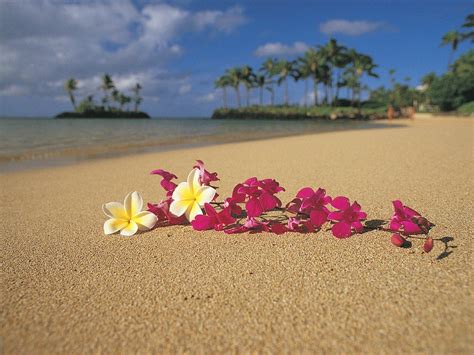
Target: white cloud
<point>184,89</point>
<point>44,42</point>
<point>280,49</point>
<point>350,28</point>
<point>207,98</point>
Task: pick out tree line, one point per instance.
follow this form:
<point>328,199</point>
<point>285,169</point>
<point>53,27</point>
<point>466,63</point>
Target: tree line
<point>331,67</point>
<point>112,99</point>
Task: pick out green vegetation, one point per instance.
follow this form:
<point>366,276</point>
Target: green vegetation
<point>333,68</point>
<point>299,112</point>
<point>114,104</point>
<point>467,109</point>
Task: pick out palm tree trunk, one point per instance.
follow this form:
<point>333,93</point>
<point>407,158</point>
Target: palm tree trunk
<point>315,92</point>
<point>273,95</point>
<point>450,59</point>
<point>261,95</point>
<point>336,99</point>
<point>286,91</point>
<point>305,92</point>
<point>225,96</point>
<point>73,100</point>
<point>136,106</point>
<point>237,94</point>
<point>247,92</point>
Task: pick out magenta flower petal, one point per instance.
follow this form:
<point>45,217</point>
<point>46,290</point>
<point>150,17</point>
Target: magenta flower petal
<point>358,227</point>
<point>397,240</point>
<point>267,201</point>
<point>278,228</point>
<point>342,230</point>
<point>318,218</point>
<point>336,216</point>
<point>361,215</point>
<point>202,222</point>
<point>428,245</point>
<point>341,203</point>
<point>253,207</point>
<point>411,228</point>
<point>395,226</point>
<point>305,192</point>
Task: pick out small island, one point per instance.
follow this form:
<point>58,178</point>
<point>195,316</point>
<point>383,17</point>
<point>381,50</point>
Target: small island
<point>114,104</point>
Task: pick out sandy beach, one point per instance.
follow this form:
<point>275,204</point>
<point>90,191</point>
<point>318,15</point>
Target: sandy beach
<point>68,288</point>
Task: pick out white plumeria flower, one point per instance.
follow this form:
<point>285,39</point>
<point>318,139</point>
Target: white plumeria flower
<point>129,217</point>
<point>190,196</point>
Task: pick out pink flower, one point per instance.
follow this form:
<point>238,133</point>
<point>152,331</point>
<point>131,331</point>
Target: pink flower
<point>407,220</point>
<point>212,219</point>
<point>162,211</point>
<point>428,245</point>
<point>311,203</point>
<point>397,240</point>
<point>205,177</point>
<point>347,219</point>
<point>258,195</point>
<point>166,182</point>
<point>251,224</point>
<point>300,225</point>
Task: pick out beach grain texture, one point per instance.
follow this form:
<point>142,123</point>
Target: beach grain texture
<point>67,288</point>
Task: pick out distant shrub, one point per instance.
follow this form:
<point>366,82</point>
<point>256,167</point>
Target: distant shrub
<point>467,109</point>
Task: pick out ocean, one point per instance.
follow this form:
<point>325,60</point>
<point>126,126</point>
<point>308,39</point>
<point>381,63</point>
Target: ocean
<point>37,142</point>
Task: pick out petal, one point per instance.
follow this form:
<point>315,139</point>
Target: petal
<point>357,226</point>
<point>133,203</point>
<point>361,215</point>
<point>115,210</point>
<point>318,218</point>
<point>193,181</point>
<point>305,192</point>
<point>341,202</point>
<point>202,223</point>
<point>267,201</point>
<point>193,211</point>
<point>183,192</point>
<point>394,226</point>
<point>145,220</point>
<point>341,230</point>
<point>336,216</point>
<point>204,194</point>
<point>178,208</point>
<point>113,225</point>
<point>130,229</point>
<point>278,228</point>
<point>411,228</point>
<point>253,207</point>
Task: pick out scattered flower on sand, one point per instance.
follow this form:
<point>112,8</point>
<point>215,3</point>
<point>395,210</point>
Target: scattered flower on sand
<point>190,196</point>
<point>347,219</point>
<point>128,217</point>
<point>408,221</point>
<point>212,219</point>
<point>398,240</point>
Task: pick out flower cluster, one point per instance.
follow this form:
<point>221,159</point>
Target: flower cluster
<point>254,207</point>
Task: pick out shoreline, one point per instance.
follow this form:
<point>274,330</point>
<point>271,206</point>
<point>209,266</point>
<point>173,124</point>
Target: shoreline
<point>71,156</point>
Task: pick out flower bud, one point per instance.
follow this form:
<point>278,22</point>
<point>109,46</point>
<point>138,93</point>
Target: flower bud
<point>398,240</point>
<point>428,245</point>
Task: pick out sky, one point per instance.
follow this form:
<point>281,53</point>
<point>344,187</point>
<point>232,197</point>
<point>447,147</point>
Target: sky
<point>176,49</point>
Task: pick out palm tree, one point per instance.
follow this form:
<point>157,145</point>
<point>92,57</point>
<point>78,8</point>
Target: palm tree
<point>469,23</point>
<point>260,82</point>
<point>71,86</point>
<point>313,61</point>
<point>106,86</point>
<point>116,96</point>
<point>269,69</point>
<point>137,99</point>
<point>123,100</point>
<point>451,38</point>
<point>285,68</point>
<point>247,76</point>
<point>335,57</point>
<point>222,83</point>
<point>303,71</point>
<point>234,81</point>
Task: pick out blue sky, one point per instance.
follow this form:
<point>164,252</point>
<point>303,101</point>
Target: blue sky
<point>177,48</point>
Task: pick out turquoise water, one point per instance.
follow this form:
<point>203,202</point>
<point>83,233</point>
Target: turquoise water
<point>35,141</point>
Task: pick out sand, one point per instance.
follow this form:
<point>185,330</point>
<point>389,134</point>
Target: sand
<point>68,288</point>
